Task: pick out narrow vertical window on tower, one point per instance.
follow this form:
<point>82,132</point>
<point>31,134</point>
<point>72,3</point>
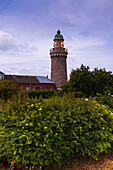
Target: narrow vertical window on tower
<point>58,56</point>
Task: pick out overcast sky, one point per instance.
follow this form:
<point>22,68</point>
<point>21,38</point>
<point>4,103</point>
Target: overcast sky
<point>27,29</point>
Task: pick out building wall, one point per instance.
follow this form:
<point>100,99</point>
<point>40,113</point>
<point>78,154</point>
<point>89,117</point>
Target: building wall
<point>29,87</point>
<point>47,86</point>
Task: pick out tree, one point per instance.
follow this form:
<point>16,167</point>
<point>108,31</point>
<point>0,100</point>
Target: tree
<point>103,81</point>
<point>89,82</point>
<point>8,88</point>
<point>81,79</point>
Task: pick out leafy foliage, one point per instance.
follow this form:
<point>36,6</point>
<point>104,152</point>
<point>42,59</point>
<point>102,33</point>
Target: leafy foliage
<point>7,89</point>
<point>43,132</point>
<point>89,82</point>
<point>105,100</point>
<point>43,93</point>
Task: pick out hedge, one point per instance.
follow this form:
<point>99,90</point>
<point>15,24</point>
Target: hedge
<point>43,93</point>
<point>77,94</point>
<point>105,100</point>
<point>43,132</point>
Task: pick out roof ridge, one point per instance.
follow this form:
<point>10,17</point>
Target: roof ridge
<point>19,75</point>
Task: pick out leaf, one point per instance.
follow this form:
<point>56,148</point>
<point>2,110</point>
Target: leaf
<point>14,152</point>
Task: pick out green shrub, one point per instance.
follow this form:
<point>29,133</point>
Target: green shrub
<point>43,93</point>
<point>8,88</point>
<point>105,100</point>
<point>43,132</point>
<point>77,94</point>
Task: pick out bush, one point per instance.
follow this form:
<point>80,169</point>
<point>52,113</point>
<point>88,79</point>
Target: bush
<point>43,132</point>
<point>77,94</point>
<point>43,93</point>
<point>8,88</point>
<point>105,100</point>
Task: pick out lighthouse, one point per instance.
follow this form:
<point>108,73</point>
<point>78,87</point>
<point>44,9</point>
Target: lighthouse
<point>58,56</point>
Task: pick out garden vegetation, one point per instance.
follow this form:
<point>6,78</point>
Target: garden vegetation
<point>39,131</point>
<point>42,132</point>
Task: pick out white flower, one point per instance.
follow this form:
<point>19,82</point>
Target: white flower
<point>40,108</point>
<point>32,104</point>
<point>111,113</point>
<point>103,128</point>
<point>26,124</point>
<point>86,99</point>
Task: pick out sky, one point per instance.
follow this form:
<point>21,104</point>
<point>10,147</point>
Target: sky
<point>27,29</point>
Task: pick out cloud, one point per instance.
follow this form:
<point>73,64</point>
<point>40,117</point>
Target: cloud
<point>27,29</point>
<point>31,66</point>
<point>8,43</point>
<point>82,42</point>
<point>88,50</point>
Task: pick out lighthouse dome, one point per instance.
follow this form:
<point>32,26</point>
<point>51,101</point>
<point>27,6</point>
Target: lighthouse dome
<point>58,36</point>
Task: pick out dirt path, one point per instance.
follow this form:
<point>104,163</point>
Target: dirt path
<point>104,162</point>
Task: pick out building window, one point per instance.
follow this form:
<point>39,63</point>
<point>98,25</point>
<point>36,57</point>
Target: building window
<point>14,77</point>
<point>0,77</point>
<point>37,88</point>
<point>27,88</point>
<point>33,88</point>
<point>51,88</point>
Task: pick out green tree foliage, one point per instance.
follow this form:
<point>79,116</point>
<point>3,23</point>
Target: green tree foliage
<point>103,81</point>
<point>89,82</point>
<point>7,89</point>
